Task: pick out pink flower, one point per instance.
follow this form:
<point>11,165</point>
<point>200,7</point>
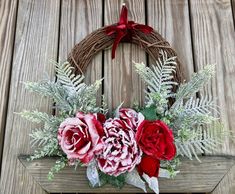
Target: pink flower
<point>80,137</point>
<point>130,117</point>
<point>120,152</point>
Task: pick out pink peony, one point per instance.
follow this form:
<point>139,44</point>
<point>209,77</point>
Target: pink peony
<point>131,118</point>
<point>80,137</point>
<point>120,152</point>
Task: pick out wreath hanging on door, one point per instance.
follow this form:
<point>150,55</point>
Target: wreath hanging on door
<point>133,145</point>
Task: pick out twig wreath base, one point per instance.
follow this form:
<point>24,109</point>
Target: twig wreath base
<point>152,43</point>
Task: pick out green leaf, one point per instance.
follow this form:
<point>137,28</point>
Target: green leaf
<point>159,81</point>
<point>150,113</point>
<point>196,83</point>
<point>59,165</point>
<point>118,181</point>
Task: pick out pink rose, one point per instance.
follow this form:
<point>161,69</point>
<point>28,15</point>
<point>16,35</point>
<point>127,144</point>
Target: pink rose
<point>80,137</point>
<point>130,117</point>
<point>120,152</point>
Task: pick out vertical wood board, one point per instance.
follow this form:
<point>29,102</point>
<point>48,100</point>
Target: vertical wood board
<point>78,19</point>
<point>213,40</point>
<point>171,19</point>
<point>36,43</point>
<point>121,82</point>
<point>8,11</point>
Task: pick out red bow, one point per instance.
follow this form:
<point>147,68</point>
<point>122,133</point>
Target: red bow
<point>124,29</point>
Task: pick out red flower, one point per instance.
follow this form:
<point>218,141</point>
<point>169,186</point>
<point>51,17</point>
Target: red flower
<point>131,118</point>
<point>156,139</point>
<point>149,166</point>
<point>120,152</point>
<point>80,137</point>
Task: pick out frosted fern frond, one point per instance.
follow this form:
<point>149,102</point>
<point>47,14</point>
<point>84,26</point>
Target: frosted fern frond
<point>203,105</point>
<point>41,137</point>
<point>191,143</point>
<point>67,78</point>
<point>49,149</point>
<point>53,90</point>
<point>35,116</point>
<point>69,93</point>
<point>196,83</point>
<point>85,100</point>
<point>194,111</point>
<point>104,106</point>
<point>158,79</point>
<point>38,117</point>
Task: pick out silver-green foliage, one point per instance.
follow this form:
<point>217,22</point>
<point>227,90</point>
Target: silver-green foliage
<point>65,75</point>
<point>70,95</point>
<point>198,141</point>
<point>194,111</point>
<point>45,138</point>
<point>189,117</point>
<point>197,82</point>
<point>69,91</point>
<point>159,80</point>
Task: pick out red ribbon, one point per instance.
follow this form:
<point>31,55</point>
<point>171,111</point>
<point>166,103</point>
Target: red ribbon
<point>124,29</point>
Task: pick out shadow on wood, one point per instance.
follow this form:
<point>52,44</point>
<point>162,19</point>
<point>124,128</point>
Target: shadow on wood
<point>194,177</point>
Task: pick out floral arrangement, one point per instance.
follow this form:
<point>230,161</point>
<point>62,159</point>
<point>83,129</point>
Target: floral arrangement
<point>133,145</point>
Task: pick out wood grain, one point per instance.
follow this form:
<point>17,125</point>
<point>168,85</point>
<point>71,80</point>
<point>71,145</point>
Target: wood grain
<point>191,179</point>
<point>227,184</point>
<point>8,10</point>
<point>233,9</point>
<point>213,40</point>
<point>171,19</point>
<point>78,19</point>
<point>121,82</point>
<point>36,42</point>
<point>213,37</point>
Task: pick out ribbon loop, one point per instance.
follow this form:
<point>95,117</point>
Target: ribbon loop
<point>124,30</point>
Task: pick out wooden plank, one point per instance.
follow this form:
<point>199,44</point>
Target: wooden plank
<point>171,19</point>
<point>8,11</point>
<point>78,19</point>
<point>233,9</point>
<point>194,177</point>
<point>121,82</point>
<point>213,37</point>
<point>228,179</point>
<point>35,44</point>
<point>213,40</point>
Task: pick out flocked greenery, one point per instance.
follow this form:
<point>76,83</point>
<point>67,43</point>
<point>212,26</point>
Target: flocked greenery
<point>192,119</point>
<point>118,181</point>
<point>70,95</point>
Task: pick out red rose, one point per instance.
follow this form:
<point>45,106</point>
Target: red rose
<point>149,166</point>
<point>80,137</point>
<point>156,139</point>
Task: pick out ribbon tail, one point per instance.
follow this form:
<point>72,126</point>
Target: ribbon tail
<point>120,35</point>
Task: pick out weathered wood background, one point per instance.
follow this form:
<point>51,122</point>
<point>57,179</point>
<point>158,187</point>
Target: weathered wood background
<point>32,32</point>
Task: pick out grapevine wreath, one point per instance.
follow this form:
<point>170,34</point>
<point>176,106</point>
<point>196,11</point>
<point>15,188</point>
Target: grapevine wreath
<point>134,145</point>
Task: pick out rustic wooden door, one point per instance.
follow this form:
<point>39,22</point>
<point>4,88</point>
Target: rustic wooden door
<point>35,31</point>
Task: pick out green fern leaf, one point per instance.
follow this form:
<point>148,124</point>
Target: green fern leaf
<point>197,142</point>
<point>65,76</point>
<point>197,82</point>
<point>159,80</point>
